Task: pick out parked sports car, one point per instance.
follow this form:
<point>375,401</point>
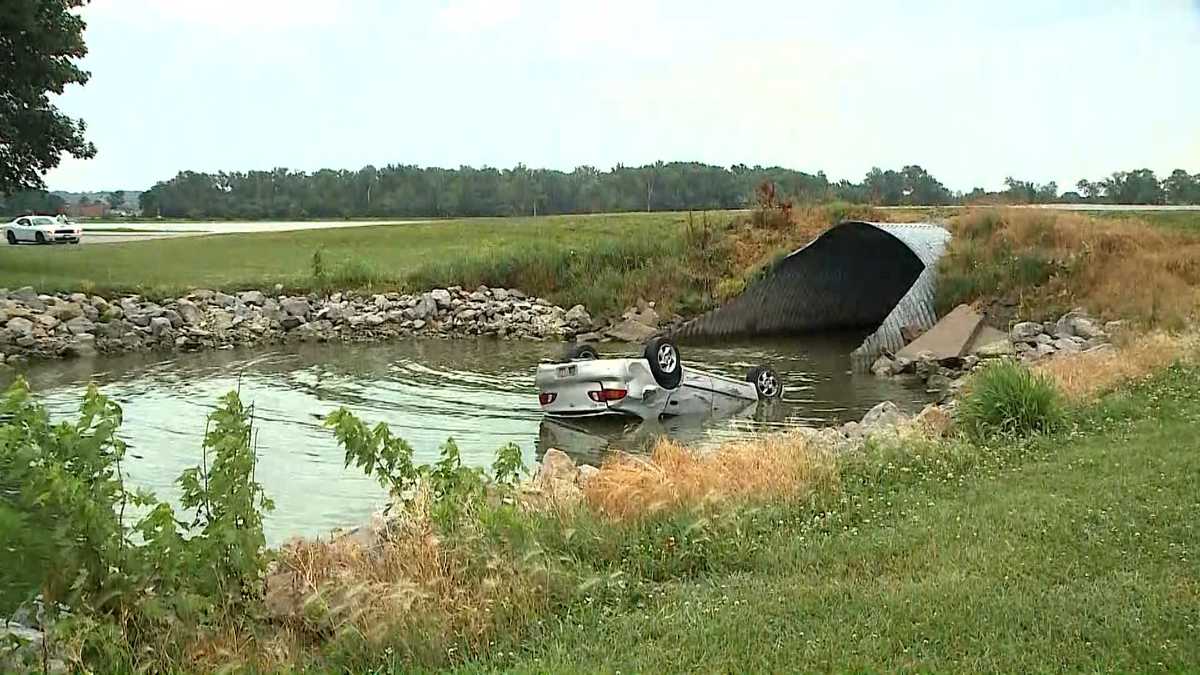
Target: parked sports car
<point>653,386</point>
<point>42,230</point>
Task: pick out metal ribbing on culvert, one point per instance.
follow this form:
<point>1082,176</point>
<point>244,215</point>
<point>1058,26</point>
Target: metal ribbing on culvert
<point>857,274</point>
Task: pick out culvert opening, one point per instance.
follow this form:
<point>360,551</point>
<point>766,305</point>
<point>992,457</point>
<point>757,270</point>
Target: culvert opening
<point>856,276</point>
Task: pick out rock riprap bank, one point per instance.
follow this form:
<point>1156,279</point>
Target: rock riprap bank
<point>78,324</point>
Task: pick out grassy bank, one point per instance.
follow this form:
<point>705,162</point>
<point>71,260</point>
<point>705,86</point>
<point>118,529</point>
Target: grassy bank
<point>1050,533</point>
<point>602,261</point>
<point>1071,553</point>
<point>1042,260</point>
<point>606,262</point>
<point>1038,264</point>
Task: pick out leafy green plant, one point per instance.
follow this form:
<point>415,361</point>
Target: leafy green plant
<point>454,487</point>
<point>65,504</point>
<point>1007,399</point>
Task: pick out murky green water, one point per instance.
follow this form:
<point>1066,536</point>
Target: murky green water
<point>480,393</point>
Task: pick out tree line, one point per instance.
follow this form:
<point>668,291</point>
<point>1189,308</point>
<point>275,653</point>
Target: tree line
<point>405,190</point>
<point>411,191</point>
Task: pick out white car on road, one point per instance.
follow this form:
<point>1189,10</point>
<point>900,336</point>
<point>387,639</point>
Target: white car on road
<point>42,230</point>
<point>656,385</point>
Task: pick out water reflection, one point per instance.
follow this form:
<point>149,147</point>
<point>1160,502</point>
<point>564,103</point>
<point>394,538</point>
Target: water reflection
<point>480,393</point>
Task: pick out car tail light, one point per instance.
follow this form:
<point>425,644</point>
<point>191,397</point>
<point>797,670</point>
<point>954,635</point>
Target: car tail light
<point>604,395</point>
<point>547,399</point>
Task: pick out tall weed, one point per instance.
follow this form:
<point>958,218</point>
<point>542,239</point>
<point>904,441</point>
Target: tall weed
<point>1008,400</point>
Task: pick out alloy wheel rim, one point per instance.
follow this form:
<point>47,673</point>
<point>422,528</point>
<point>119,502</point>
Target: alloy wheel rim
<point>666,358</point>
<point>767,384</point>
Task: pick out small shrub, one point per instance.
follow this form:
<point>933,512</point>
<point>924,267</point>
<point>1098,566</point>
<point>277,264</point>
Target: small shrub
<point>1007,399</point>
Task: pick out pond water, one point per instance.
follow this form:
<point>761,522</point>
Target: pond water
<point>480,393</point>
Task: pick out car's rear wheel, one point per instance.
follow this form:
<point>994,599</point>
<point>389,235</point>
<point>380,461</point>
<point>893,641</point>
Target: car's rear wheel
<point>663,356</point>
<point>41,238</point>
<point>11,237</point>
<point>582,350</point>
<point>766,382</point>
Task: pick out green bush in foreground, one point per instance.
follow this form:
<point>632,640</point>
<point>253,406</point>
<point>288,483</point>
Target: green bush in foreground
<point>1007,399</point>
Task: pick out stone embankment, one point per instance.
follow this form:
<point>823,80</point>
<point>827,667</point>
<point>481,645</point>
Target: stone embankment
<point>77,324</point>
<point>1028,341</point>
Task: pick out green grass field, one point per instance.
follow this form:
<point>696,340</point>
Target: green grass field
<point>1079,554</point>
<point>600,260</point>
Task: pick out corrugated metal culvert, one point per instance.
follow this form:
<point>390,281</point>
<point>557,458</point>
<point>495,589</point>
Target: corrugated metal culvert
<point>857,274</point>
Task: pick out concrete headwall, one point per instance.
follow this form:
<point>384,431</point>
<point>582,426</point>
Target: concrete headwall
<point>873,276</point>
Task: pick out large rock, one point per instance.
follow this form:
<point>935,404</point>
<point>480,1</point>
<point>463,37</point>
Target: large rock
<point>1077,324</point>
<point>22,650</point>
<point>426,307</point>
<point>46,321</point>
<point>578,317</point>
<point>441,296</point>
<point>189,311</point>
<point>28,297</point>
<point>557,476</point>
<point>252,297</point>
<point>631,330</point>
<point>1026,331</point>
<point>80,325</point>
<point>83,346</point>
<point>298,307</point>
<point>224,299</point>
<point>65,311</point>
<point>884,367</point>
<point>883,416</point>
<point>19,325</point>
<point>159,326</point>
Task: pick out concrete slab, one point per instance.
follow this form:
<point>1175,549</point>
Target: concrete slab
<point>949,338</point>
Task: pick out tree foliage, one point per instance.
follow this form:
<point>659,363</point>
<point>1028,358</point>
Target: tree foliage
<point>40,42</point>
<point>411,191</point>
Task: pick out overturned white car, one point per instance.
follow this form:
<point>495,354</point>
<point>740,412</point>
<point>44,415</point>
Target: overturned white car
<point>656,385</point>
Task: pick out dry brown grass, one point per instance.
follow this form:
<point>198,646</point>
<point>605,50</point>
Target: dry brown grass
<point>1085,376</point>
<point>755,243</point>
<point>1053,261</point>
<point>403,587</point>
<point>677,477</point>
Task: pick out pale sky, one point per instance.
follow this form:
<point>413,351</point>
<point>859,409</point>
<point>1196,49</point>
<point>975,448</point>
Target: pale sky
<point>972,91</point>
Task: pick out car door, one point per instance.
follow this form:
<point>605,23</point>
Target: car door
<point>24,229</point>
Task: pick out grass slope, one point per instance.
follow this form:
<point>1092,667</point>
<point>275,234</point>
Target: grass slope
<point>632,252</point>
<point>1079,557</point>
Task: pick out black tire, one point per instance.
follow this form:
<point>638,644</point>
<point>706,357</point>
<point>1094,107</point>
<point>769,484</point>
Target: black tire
<point>766,382</point>
<point>74,241</point>
<point>582,351</point>
<point>11,237</point>
<point>663,356</point>
<point>41,238</point>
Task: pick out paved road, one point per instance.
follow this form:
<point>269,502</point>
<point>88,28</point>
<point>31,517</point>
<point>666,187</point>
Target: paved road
<point>150,231</point>
<point>93,238</point>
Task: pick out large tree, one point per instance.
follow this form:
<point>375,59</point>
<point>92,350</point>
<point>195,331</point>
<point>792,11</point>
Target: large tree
<point>40,42</point>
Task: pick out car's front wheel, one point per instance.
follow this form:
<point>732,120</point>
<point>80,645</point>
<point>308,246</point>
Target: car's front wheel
<point>11,237</point>
<point>663,356</point>
<point>41,238</point>
<point>766,382</point>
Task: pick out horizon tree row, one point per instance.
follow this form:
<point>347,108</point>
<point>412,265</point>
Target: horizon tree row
<point>411,191</point>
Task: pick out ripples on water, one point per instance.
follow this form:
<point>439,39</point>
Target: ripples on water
<point>480,393</point>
